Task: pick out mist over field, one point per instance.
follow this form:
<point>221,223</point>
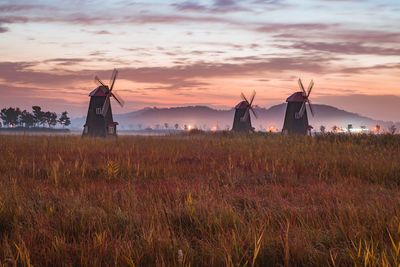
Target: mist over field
<point>211,119</point>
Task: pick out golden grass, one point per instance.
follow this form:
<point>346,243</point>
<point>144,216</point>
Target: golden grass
<point>200,200</point>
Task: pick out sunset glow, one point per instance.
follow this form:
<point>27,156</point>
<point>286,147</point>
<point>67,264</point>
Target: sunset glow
<point>178,53</point>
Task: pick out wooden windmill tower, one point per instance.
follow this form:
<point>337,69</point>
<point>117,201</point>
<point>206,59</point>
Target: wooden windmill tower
<point>99,120</point>
<point>296,119</point>
<point>242,120</point>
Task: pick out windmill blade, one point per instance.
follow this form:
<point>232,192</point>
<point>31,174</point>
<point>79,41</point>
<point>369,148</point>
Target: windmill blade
<point>310,106</point>
<point>119,99</point>
<point>113,75</point>
<point>106,105</point>
<point>98,81</point>
<point>252,98</point>
<point>246,115</point>
<point>113,78</point>
<point>302,87</point>
<point>310,87</point>
<point>254,112</point>
<point>302,110</point>
<point>244,98</point>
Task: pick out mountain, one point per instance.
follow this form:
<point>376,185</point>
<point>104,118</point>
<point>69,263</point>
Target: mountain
<point>206,118</point>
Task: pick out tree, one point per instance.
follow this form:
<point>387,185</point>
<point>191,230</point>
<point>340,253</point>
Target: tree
<point>166,125</point>
<point>392,129</point>
<point>46,118</point>
<point>39,115</point>
<point>335,129</point>
<point>176,126</point>
<point>10,116</point>
<point>64,120</point>
<point>322,129</point>
<point>27,119</point>
<point>185,127</point>
<point>51,119</point>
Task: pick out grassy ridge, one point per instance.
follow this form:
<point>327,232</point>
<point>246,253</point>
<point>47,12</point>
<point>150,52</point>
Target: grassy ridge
<point>200,200</point>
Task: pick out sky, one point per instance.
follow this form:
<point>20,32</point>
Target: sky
<point>178,53</point>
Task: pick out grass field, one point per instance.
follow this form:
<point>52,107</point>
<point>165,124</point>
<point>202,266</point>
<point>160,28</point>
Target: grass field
<point>200,200</point>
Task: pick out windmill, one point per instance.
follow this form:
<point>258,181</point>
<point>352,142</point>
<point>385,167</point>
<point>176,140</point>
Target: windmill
<point>242,120</point>
<point>99,120</point>
<point>296,119</point>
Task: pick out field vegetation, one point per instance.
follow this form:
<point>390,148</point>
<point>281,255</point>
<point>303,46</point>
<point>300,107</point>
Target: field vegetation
<point>200,200</point>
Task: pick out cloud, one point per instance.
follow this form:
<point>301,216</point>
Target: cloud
<point>13,19</point>
<point>10,8</point>
<point>170,19</point>
<point>22,72</point>
<point>218,6</point>
<point>66,61</point>
<point>3,29</point>
<point>294,27</point>
<point>269,2</point>
<point>173,78</point>
<point>224,2</point>
<point>332,32</point>
<point>98,32</point>
<point>190,6</point>
<point>102,32</point>
<point>345,48</point>
<point>82,18</point>
<point>169,75</point>
<point>368,36</point>
<point>380,67</point>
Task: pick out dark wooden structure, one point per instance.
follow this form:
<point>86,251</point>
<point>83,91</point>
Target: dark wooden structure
<point>242,119</point>
<point>296,118</point>
<point>99,120</point>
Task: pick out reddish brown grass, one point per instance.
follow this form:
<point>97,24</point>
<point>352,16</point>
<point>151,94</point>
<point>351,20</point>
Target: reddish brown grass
<point>200,200</point>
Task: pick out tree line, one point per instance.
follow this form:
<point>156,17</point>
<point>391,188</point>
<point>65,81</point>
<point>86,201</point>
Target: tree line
<point>14,117</point>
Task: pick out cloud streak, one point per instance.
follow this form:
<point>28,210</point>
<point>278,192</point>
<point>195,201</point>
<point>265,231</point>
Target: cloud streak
<point>175,76</point>
<point>345,48</point>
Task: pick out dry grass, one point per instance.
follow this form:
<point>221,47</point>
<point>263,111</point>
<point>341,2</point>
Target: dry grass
<point>200,200</point>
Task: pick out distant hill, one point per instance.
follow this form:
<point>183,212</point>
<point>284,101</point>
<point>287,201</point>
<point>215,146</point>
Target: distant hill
<point>206,118</point>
